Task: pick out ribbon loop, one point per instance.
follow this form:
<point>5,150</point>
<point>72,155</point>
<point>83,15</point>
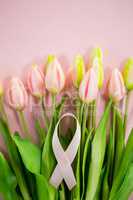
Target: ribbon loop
<point>64,170</point>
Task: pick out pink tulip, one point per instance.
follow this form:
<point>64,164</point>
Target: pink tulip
<point>116,87</point>
<point>88,89</point>
<point>55,79</point>
<point>17,96</point>
<point>35,82</point>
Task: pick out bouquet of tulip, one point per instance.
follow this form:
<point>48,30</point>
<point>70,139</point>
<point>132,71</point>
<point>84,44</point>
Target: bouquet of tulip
<point>76,157</point>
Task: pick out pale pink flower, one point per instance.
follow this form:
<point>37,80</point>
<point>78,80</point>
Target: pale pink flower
<point>55,78</point>
<point>116,87</point>
<point>88,89</point>
<point>17,96</point>
<point>35,82</point>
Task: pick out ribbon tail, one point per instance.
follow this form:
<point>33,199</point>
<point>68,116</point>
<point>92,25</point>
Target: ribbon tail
<point>56,177</point>
<point>68,176</point>
<point>60,173</point>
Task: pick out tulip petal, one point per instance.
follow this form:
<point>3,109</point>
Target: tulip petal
<point>88,88</point>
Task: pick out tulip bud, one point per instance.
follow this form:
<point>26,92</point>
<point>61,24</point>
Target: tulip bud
<point>1,90</point>
<point>54,79</point>
<point>50,59</point>
<point>97,64</point>
<point>88,89</point>
<point>116,87</point>
<point>35,82</point>
<point>78,70</point>
<point>17,96</point>
<point>128,74</point>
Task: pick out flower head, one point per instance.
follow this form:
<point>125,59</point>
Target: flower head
<point>128,74</point>
<point>78,70</point>
<point>35,82</point>
<point>55,78</point>
<point>17,96</point>
<point>97,64</point>
<point>116,87</point>
<point>88,89</point>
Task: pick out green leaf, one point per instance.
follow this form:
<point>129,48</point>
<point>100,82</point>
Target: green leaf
<point>97,155</point>
<point>31,156</point>
<point>62,192</point>
<point>105,185</point>
<point>14,159</point>
<point>85,164</point>
<point>40,132</point>
<point>99,187</point>
<point>127,186</point>
<point>113,142</point>
<point>120,143</point>
<point>30,153</point>
<point>75,193</point>
<point>31,182</point>
<point>45,190</point>
<point>8,180</point>
<point>107,174</point>
<point>48,158</point>
<point>12,150</point>
<point>127,159</point>
<point>49,162</point>
<point>114,151</point>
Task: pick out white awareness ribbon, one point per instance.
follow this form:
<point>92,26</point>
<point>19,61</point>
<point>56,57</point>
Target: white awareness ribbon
<point>64,170</point>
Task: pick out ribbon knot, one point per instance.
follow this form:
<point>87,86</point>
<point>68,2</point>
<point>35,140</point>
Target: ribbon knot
<point>64,170</point>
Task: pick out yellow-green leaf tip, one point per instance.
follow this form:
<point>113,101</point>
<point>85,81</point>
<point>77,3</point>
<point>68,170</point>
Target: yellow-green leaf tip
<point>97,52</point>
<point>97,63</point>
<point>79,70</point>
<point>128,74</point>
<point>50,59</point>
<point>1,90</point>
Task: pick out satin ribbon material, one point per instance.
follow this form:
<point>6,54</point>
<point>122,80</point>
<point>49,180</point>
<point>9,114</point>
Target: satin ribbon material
<point>64,170</point>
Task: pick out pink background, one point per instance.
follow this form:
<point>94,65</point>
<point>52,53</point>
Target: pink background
<point>29,30</point>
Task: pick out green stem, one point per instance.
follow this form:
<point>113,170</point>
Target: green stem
<point>126,112</point>
<point>44,115</point>
<point>10,195</point>
<point>62,192</point>
<point>81,113</point>
<point>83,136</point>
<point>24,125</point>
<point>91,120</point>
<point>114,120</point>
<point>113,139</point>
<point>75,194</point>
<point>2,110</point>
<point>78,106</point>
<point>61,108</point>
<point>53,103</point>
<point>84,117</point>
<point>94,115</point>
<point>89,117</point>
<point>40,131</point>
<point>54,114</point>
<point>22,185</point>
